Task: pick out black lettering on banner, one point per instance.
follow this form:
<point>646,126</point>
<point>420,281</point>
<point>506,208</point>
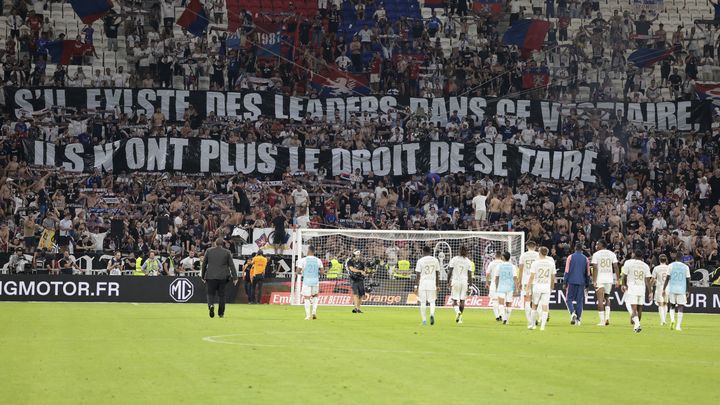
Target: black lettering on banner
<point>211,156</point>
<point>681,115</point>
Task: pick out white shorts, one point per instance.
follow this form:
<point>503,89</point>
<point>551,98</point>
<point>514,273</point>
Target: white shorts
<point>459,291</point>
<point>427,295</point>
<point>661,298</point>
<point>677,299</point>
<point>480,215</point>
<point>310,290</point>
<point>632,299</point>
<point>374,78</point>
<point>508,297</point>
<point>607,287</point>
<point>492,290</point>
<point>540,298</point>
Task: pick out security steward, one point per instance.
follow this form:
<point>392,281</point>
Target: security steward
<point>356,272</point>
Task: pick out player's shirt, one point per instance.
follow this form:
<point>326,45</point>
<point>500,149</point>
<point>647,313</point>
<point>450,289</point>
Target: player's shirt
<point>544,271</point>
<point>490,272</point>
<point>506,272</point>
<point>428,267</point>
<point>678,274</point>
<point>660,273</point>
<point>526,260</point>
<point>603,261</point>
<point>461,267</point>
<point>311,266</point>
<point>636,271</point>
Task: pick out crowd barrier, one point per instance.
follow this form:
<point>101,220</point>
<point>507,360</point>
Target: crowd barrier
<point>164,289</point>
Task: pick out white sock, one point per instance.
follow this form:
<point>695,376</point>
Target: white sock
<point>456,308</point>
<point>496,309</point>
<point>531,321</point>
<point>672,314</point>
<point>663,313</point>
<point>602,317</point>
<point>628,305</point>
<point>508,311</point>
<point>307,307</point>
<point>636,321</point>
<point>607,313</point>
<point>543,318</point>
<point>315,301</point>
<point>679,320</point>
<point>528,313</point>
<point>501,312</point>
<point>423,307</point>
<point>432,308</point>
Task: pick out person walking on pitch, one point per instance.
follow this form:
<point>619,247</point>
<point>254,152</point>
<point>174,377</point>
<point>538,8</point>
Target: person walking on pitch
<point>659,277</point>
<point>490,284</point>
<point>678,287</point>
<point>526,260</point>
<point>577,273</point>
<point>635,280</point>
<point>310,267</point>
<point>460,275</point>
<point>428,273</point>
<point>506,278</point>
<point>218,268</point>
<point>605,272</point>
<point>541,284</point>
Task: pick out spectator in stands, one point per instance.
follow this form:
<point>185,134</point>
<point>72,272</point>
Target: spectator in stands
<point>17,262</point>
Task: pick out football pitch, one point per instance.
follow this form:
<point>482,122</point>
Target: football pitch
<point>157,353</point>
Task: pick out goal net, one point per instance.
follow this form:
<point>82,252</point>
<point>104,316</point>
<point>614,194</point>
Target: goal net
<point>389,258</point>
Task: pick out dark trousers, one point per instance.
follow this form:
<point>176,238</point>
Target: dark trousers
<point>248,287</point>
<point>575,299</point>
<point>216,287</point>
<point>256,289</point>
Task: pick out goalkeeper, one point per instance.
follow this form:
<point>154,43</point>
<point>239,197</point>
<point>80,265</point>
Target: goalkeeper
<point>356,270</point>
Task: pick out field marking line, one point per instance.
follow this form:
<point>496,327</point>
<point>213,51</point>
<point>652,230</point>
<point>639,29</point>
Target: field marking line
<point>219,339</point>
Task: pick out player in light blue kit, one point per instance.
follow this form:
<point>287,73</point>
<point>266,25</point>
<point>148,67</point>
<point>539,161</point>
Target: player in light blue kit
<point>506,277</point>
<point>310,268</point>
<point>678,281</point>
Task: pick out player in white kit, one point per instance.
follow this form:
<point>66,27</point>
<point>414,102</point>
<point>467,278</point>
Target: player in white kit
<point>605,273</point>
<point>659,276</point>
<point>490,284</point>
<point>678,287</point>
<point>460,275</point>
<point>541,285</point>
<point>428,273</point>
<point>635,278</point>
<point>526,261</point>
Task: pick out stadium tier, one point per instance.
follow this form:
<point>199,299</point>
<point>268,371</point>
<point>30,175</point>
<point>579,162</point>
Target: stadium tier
<point>139,126</point>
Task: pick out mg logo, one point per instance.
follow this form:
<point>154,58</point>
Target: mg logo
<point>181,290</point>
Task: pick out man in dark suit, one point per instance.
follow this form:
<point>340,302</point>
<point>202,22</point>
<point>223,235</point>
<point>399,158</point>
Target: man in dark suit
<point>218,268</point>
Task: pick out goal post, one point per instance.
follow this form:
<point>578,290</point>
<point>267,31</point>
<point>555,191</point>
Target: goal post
<point>389,257</point>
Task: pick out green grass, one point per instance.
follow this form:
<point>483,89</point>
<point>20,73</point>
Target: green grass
<point>129,354</point>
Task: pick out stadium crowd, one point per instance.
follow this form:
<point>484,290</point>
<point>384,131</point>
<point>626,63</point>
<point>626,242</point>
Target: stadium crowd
<point>662,194</point>
<point>463,53</point>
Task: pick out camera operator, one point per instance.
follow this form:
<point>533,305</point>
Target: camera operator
<point>356,269</point>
